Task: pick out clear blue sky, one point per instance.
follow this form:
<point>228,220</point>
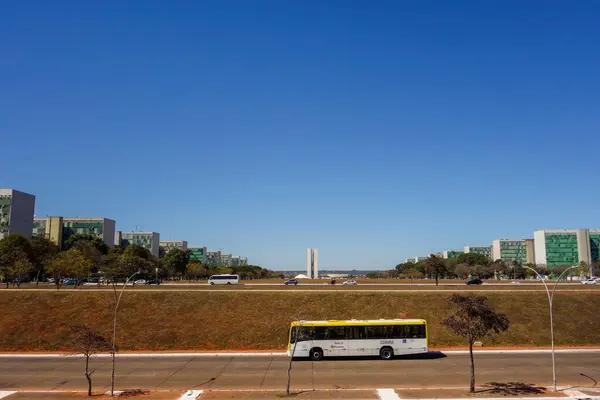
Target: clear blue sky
<point>373,130</point>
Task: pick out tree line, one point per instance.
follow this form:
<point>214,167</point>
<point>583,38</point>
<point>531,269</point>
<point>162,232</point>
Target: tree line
<point>85,256</point>
<point>475,265</point>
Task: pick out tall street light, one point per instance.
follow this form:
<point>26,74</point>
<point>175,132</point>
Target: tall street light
<point>114,341</point>
<point>550,298</point>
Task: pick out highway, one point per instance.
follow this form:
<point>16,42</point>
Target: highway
<point>269,372</point>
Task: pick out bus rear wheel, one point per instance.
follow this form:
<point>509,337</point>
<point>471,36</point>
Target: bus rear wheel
<point>316,354</point>
<point>386,353</point>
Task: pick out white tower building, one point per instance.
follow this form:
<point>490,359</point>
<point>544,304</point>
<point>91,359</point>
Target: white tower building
<point>312,263</point>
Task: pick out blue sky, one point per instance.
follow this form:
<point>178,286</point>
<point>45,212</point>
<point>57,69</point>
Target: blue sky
<point>373,130</point>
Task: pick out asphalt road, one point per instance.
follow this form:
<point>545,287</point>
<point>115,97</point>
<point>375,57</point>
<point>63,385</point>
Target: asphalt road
<point>268,372</point>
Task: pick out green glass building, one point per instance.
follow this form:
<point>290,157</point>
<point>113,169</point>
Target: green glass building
<point>508,250</point>
<point>566,247</point>
<point>452,253</point>
<point>148,240</point>
<point>483,250</point>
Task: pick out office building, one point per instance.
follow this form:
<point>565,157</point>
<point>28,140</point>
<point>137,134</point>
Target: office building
<point>243,261</point>
<point>452,253</point>
<point>566,247</point>
<point>420,259</point>
<point>226,260</point>
<point>148,240</point>
<point>198,253</point>
<point>410,260</point>
<point>312,263</point>
<point>16,213</point>
<point>60,229</point>
<point>519,250</point>
<point>213,258</point>
<point>483,250</point>
<point>50,228</point>
<point>104,228</point>
<point>166,245</point>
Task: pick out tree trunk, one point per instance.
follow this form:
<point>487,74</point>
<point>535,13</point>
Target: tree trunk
<point>37,279</point>
<point>436,279</point>
<point>472,383</point>
<point>88,376</point>
<point>289,372</point>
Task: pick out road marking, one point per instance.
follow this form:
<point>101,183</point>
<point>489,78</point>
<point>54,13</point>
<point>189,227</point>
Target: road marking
<point>387,394</point>
<point>4,394</point>
<point>191,394</point>
<point>576,394</point>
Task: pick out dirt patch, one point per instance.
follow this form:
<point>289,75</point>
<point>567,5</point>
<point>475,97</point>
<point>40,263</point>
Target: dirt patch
<point>208,321</point>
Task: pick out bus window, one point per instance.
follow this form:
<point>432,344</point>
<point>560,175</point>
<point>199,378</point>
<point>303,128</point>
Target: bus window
<point>336,333</point>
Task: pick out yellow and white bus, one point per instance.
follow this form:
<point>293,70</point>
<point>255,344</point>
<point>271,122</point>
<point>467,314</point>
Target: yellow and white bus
<point>337,338</point>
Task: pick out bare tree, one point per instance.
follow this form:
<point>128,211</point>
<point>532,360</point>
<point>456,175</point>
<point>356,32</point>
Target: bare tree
<point>88,342</point>
<point>474,319</point>
<point>298,334</point>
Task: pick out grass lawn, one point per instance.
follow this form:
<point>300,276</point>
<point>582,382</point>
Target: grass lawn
<point>194,320</point>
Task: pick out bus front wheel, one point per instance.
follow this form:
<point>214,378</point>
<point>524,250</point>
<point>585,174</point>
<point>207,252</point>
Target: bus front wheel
<point>386,353</point>
<point>316,354</point>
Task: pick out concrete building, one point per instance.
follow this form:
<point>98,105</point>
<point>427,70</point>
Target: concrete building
<point>566,247</point>
<point>507,250</point>
<point>213,258</point>
<point>60,229</point>
<point>104,228</point>
<point>148,240</point>
<point>483,250</point>
<point>50,228</point>
<point>243,261</point>
<point>198,253</point>
<point>16,212</point>
<point>166,245</point>
<point>409,260</point>
<point>226,260</point>
<point>312,263</point>
<point>420,259</point>
<point>452,253</point>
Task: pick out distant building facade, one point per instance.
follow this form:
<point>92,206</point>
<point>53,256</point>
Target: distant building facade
<point>312,263</point>
<point>104,228</point>
<point>226,260</point>
<point>50,228</point>
<point>483,250</point>
<point>16,212</point>
<point>213,258</point>
<point>517,250</point>
<point>566,247</point>
<point>148,240</point>
<point>166,245</point>
<point>198,253</point>
<point>452,253</point>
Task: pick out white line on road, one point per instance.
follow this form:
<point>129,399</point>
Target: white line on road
<point>387,394</point>
<point>4,394</point>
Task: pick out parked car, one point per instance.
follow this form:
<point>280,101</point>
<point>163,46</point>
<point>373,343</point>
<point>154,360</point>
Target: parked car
<point>589,282</point>
<point>350,282</point>
<point>153,282</point>
<point>474,281</point>
<point>69,282</point>
<point>140,282</point>
<point>291,282</point>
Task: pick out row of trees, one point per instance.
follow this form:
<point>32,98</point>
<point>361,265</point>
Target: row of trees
<point>84,256</point>
<point>471,264</point>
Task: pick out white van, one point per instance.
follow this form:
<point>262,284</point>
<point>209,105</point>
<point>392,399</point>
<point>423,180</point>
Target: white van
<point>224,279</point>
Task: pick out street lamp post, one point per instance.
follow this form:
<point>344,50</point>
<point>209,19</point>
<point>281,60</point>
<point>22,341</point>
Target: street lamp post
<point>114,341</point>
<point>550,299</point>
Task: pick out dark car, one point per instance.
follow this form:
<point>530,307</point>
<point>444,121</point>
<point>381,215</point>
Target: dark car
<point>291,282</point>
<point>474,281</point>
<point>153,282</point>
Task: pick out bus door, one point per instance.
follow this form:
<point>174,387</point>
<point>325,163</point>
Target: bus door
<point>337,341</point>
